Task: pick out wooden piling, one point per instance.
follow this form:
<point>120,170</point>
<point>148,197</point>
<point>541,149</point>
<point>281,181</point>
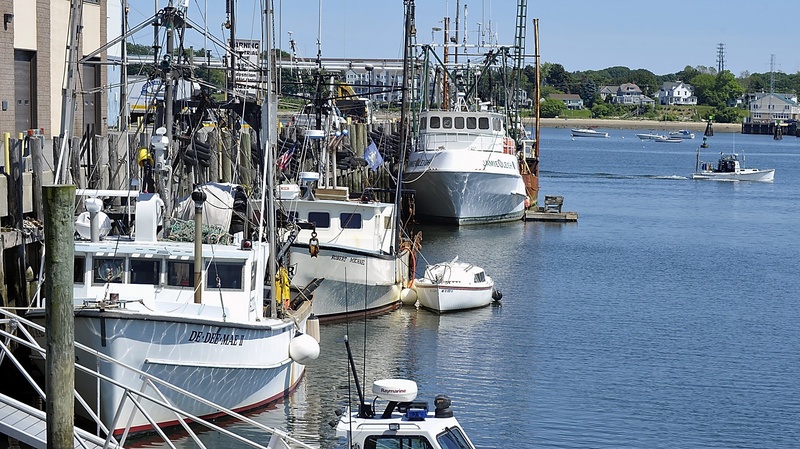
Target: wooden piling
<point>60,321</point>
<point>37,163</point>
<point>16,272</point>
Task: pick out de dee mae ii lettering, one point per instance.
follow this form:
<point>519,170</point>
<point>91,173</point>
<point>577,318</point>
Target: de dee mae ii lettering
<point>216,338</point>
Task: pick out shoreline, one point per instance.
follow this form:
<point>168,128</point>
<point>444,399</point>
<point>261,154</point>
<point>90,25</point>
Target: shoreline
<point>633,124</point>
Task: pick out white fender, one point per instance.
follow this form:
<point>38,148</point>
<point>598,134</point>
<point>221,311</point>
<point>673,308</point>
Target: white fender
<point>303,349</point>
<point>408,296</point>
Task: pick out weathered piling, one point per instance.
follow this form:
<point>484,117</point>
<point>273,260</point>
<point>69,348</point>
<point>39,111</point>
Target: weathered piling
<point>37,166</point>
<point>16,272</point>
<point>59,318</point>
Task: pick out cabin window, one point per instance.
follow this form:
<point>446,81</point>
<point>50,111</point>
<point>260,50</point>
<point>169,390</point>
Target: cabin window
<point>108,269</point>
<point>224,275</point>
<point>145,271</point>
<point>480,277</point>
<point>472,123</point>
<point>452,438</point>
<point>350,221</point>
<point>398,442</point>
<point>320,219</point>
<point>459,122</point>
<point>180,274</point>
<point>423,122</point>
<point>435,122</point>
<point>483,123</point>
<point>496,125</point>
<point>80,270</point>
<point>447,122</point>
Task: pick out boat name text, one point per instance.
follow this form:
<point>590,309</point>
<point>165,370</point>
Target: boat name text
<point>498,164</point>
<point>354,260</point>
<point>216,338</point>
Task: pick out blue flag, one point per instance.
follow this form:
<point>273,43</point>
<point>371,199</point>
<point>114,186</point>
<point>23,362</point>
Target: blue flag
<point>373,156</point>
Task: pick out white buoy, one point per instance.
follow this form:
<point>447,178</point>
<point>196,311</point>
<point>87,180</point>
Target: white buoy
<point>408,296</point>
<point>303,349</point>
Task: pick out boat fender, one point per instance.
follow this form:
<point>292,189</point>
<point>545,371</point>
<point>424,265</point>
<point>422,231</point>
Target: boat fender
<point>497,295</point>
<point>312,327</point>
<point>408,296</point>
<point>313,244</point>
<point>303,348</point>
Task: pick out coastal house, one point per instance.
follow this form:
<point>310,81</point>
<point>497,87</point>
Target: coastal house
<point>676,93</point>
<point>607,91</point>
<point>630,94</point>
<point>571,101</point>
<point>772,107</point>
<point>32,57</point>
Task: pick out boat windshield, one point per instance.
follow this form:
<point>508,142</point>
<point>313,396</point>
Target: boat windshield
<point>453,438</point>
<point>397,442</point>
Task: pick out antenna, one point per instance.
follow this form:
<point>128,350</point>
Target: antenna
<point>772,73</point>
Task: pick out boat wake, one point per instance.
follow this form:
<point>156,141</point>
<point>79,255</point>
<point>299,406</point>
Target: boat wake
<point>555,174</point>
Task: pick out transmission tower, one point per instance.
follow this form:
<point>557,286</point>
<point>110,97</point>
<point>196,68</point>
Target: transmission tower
<point>772,73</point>
<point>720,57</point>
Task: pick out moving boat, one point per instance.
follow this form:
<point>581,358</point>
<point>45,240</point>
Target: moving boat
<point>649,136</point>
<point>454,285</point>
<point>730,168</point>
<point>588,132</point>
<point>682,133</point>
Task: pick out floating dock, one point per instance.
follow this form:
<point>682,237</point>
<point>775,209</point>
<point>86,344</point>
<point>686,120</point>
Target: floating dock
<point>551,212</point>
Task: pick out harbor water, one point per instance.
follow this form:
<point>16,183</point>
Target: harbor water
<point>667,316</point>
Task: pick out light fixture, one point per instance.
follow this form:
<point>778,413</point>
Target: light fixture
<point>7,18</point>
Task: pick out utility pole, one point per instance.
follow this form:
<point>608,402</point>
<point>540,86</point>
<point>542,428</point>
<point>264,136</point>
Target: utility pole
<point>720,58</point>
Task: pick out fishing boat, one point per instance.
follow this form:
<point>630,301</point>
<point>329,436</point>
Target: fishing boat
<point>649,136</point>
<point>730,168</point>
<point>454,285</point>
<point>588,132</point>
<point>682,133</point>
<point>187,295</point>
<point>404,420</point>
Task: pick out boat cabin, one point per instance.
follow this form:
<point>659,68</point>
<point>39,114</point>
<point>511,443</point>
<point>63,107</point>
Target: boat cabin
<point>728,163</point>
<point>458,130</point>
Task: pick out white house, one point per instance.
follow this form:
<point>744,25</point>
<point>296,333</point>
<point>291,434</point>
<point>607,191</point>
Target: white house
<point>571,101</point>
<point>773,107</point>
<point>676,93</point>
<point>630,94</point>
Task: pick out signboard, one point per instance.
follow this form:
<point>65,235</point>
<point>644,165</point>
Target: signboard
<point>247,64</point>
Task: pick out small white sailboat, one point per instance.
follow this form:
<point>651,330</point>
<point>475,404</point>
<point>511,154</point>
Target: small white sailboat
<point>649,136</point>
<point>588,132</point>
<point>454,285</point>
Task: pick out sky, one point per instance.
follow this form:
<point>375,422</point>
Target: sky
<point>663,37</point>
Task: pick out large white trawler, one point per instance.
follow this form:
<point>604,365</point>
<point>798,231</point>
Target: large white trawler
<point>464,168</point>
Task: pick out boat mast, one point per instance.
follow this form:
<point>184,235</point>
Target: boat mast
<point>409,32</point>
<point>269,141</point>
<point>68,104</point>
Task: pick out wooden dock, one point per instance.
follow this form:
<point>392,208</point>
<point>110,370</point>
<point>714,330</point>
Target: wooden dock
<point>551,212</point>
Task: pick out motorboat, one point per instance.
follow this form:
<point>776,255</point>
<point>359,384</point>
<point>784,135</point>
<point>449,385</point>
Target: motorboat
<point>665,139</point>
<point>588,132</point>
<point>649,136</point>
<point>730,168</point>
<point>454,285</point>
<point>404,420</point>
<point>682,133</point>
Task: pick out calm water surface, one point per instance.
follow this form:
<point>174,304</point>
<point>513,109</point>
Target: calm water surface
<point>666,317</point>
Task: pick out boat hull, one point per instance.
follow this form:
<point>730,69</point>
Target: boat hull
<point>749,174</point>
<point>588,133</point>
<point>466,187</point>
<point>449,298</point>
<point>239,366</point>
<point>355,282</point>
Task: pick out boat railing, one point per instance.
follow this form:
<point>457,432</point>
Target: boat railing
<point>11,324</point>
<point>469,140</point>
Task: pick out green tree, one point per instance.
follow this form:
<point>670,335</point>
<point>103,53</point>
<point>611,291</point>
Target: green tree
<point>559,78</point>
<point>727,88</point>
<point>646,80</point>
<point>551,107</point>
<point>588,92</point>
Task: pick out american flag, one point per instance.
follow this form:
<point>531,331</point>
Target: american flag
<point>285,158</point>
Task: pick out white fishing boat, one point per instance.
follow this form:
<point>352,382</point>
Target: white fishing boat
<point>730,168</point>
<point>351,244</point>
<point>682,133</point>
<point>454,285</point>
<point>649,136</point>
<point>588,132</point>
<point>192,303</point>
<point>465,170</point>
